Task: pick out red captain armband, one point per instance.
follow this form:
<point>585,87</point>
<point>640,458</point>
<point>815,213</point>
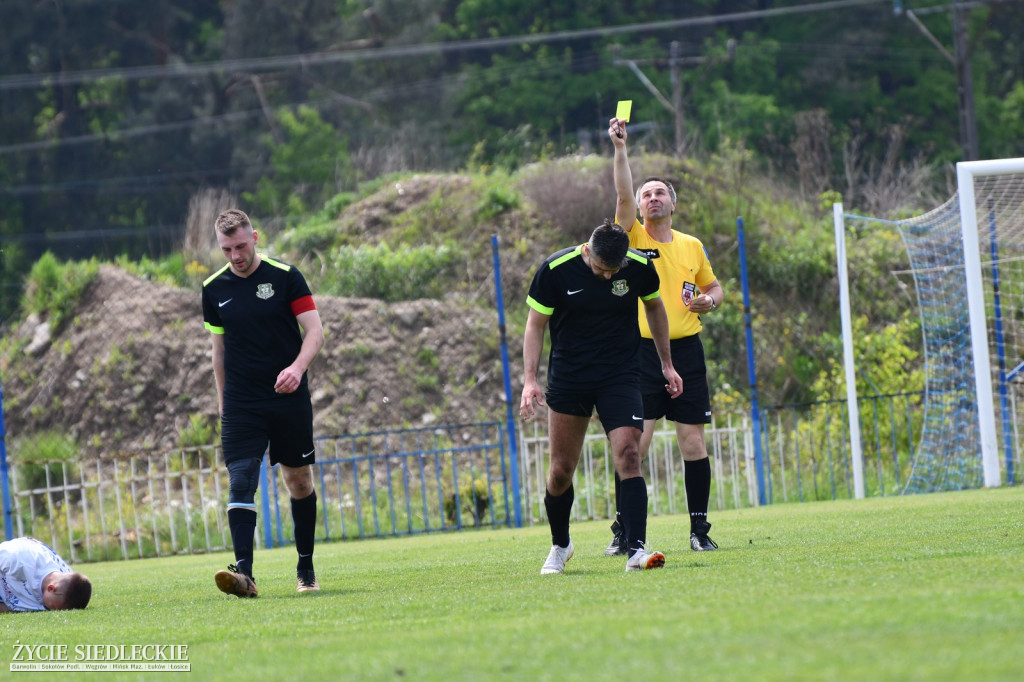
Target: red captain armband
<point>302,305</point>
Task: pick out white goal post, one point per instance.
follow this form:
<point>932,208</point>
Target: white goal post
<point>852,410</point>
<point>966,173</point>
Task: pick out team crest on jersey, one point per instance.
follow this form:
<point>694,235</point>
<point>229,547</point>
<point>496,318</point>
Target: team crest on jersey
<point>620,287</point>
<point>264,291</point>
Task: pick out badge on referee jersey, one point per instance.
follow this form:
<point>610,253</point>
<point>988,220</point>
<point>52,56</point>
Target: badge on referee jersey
<point>689,292</point>
<point>264,291</point>
<point>620,287</point>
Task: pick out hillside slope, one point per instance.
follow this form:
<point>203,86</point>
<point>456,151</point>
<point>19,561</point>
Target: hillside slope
<point>132,368</point>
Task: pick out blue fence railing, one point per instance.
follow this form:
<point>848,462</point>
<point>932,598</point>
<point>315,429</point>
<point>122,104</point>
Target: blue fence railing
<point>386,483</point>
<point>404,482</point>
<point>449,478</point>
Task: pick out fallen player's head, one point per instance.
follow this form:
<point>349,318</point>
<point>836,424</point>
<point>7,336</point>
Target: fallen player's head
<point>66,591</point>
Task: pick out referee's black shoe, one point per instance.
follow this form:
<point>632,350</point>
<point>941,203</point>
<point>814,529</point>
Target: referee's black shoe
<point>617,547</point>
<point>699,540</point>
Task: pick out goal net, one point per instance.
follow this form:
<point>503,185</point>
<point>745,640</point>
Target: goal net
<point>968,262</point>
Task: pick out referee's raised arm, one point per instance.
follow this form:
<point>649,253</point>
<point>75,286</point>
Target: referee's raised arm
<point>625,204</point>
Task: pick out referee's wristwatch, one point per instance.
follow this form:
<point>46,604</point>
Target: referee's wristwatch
<point>713,304</point>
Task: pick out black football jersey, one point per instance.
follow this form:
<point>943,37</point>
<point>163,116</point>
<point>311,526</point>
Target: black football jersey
<point>593,325</point>
<point>256,315</point>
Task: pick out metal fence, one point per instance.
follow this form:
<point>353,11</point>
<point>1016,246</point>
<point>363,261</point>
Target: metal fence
<point>450,478</point>
<point>804,450</point>
<point>376,484</point>
<point>730,445</point>
<point>124,508</point>
<point>806,454</point>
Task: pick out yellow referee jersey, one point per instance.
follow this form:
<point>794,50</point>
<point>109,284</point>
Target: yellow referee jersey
<point>684,269</point>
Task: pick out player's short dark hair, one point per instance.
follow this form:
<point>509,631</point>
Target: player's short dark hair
<point>609,244</point>
<point>77,591</point>
<point>653,178</point>
<point>232,220</point>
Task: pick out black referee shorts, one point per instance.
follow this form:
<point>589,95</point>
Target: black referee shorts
<point>694,405</point>
<point>285,425</point>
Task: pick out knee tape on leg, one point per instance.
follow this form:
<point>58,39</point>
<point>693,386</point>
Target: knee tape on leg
<point>244,477</point>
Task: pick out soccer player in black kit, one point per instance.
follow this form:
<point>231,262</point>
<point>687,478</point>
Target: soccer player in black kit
<point>589,294</point>
<point>266,331</point>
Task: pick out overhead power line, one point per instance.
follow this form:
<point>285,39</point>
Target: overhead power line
<point>23,81</point>
<point>822,51</point>
<point>79,235</point>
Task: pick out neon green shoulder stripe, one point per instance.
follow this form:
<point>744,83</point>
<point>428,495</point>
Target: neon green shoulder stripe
<point>636,257</point>
<point>212,329</point>
<point>216,274</point>
<point>275,263</point>
<point>569,256</point>
<point>532,302</point>
<point>651,297</point>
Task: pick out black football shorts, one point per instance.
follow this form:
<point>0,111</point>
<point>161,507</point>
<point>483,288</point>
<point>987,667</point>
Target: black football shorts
<point>286,426</point>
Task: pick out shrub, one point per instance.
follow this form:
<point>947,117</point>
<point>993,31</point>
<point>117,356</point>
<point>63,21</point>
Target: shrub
<point>403,274</point>
<point>46,455</point>
<point>498,199</point>
<point>171,270</point>
<point>198,432</point>
<point>576,196</point>
<point>473,498</point>
<point>53,289</point>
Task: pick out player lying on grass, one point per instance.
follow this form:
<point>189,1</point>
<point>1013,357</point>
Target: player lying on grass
<point>33,577</point>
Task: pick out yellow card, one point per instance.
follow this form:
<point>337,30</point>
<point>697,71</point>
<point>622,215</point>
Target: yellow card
<point>623,108</point>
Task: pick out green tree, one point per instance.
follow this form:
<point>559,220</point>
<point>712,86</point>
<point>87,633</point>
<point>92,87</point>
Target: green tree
<point>309,164</point>
<point>551,94</point>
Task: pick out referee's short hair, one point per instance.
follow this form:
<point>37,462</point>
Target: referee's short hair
<point>609,244</point>
<point>655,178</point>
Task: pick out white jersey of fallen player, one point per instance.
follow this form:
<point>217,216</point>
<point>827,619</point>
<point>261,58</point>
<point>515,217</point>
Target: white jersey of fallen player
<point>24,562</point>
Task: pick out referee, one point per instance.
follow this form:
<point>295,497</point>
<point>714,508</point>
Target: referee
<point>254,307</point>
<point>589,294</point>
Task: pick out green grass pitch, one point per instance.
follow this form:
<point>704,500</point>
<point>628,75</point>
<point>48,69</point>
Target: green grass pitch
<point>926,587</point>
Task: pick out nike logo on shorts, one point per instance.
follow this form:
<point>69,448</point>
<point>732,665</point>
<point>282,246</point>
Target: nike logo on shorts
<point>573,292</point>
<point>309,453</point>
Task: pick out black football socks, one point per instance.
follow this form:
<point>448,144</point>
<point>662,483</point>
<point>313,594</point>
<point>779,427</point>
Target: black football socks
<point>304,518</point>
<point>697,479</point>
<point>242,523</point>
<point>634,512</point>
<point>558,509</point>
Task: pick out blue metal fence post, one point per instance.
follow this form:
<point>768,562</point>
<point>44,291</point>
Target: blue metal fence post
<point>4,481</point>
<point>510,421</point>
<point>755,410</point>
<point>1000,345</point>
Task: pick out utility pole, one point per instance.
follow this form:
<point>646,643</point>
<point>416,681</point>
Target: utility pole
<point>675,64</point>
<point>964,83</point>
<point>677,96</point>
<point>961,61</point>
